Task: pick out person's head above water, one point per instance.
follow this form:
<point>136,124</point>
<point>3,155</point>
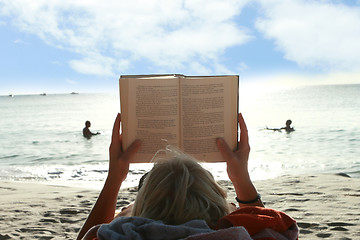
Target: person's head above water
<point>288,123</point>
<point>87,124</point>
<point>178,190</point>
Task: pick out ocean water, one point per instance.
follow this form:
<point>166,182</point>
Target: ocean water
<point>41,136</point>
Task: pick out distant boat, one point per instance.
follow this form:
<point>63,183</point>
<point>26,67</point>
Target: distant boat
<point>74,93</point>
<point>10,95</point>
<point>43,94</point>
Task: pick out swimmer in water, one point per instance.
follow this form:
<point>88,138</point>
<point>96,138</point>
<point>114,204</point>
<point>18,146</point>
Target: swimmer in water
<point>287,127</point>
<point>86,131</point>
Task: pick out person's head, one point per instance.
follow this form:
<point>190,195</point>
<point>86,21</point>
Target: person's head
<point>179,190</point>
<point>87,124</point>
<point>288,123</point>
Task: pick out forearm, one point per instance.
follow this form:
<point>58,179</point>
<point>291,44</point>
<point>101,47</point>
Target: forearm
<point>104,208</point>
<point>246,191</point>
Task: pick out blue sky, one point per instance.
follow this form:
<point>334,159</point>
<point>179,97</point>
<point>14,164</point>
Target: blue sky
<point>62,46</point>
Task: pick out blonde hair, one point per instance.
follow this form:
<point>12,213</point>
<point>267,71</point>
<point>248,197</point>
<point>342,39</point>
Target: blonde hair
<point>179,190</point>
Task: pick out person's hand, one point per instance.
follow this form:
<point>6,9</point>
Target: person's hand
<point>104,208</point>
<point>237,167</point>
<point>119,160</point>
<point>237,161</point>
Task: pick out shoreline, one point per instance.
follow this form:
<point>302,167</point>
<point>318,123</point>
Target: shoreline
<point>324,206</point>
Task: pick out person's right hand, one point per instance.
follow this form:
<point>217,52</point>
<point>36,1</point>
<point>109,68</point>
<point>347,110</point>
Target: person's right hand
<point>237,161</point>
<point>120,160</point>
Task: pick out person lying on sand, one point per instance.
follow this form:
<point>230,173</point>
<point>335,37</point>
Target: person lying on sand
<point>179,198</point>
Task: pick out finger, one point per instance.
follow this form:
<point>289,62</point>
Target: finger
<point>224,149</point>
<point>115,138</point>
<point>244,137</point>
<point>132,149</point>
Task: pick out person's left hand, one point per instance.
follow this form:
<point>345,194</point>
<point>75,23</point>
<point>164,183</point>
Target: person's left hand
<point>119,160</point>
<point>236,161</point>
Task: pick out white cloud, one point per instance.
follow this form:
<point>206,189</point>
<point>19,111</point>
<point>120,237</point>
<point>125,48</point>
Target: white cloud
<point>188,36</point>
<point>110,36</point>
<point>288,79</point>
<point>242,67</point>
<point>94,64</point>
<point>19,41</point>
<point>72,82</point>
<point>55,62</point>
<point>318,34</point>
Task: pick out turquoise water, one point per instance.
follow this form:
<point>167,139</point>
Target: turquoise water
<point>41,136</point>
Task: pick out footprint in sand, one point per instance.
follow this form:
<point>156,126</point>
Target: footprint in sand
<point>49,214</point>
<point>4,237</point>
<point>48,220</point>
<point>69,211</point>
<point>86,203</point>
<point>323,235</point>
<point>340,224</point>
<point>341,229</point>
<point>37,230</point>
<point>292,210</point>
<point>303,231</point>
<point>44,237</point>
<point>70,220</point>
<point>307,228</point>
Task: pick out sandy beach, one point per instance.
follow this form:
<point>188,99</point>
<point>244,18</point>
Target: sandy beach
<point>324,206</point>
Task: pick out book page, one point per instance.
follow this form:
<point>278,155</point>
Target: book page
<point>150,112</point>
<point>209,108</point>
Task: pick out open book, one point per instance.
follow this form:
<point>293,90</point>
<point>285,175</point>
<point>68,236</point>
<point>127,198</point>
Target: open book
<point>189,112</point>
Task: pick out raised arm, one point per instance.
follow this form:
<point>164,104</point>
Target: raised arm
<point>237,167</point>
<point>104,208</point>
